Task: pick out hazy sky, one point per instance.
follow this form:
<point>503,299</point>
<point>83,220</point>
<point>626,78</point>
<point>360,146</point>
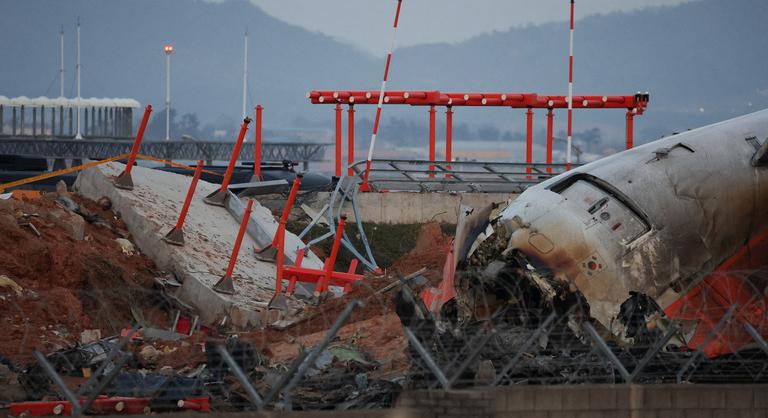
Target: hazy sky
<point>366,23</point>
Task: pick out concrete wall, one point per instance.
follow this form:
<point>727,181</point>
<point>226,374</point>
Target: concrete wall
<point>578,401</point>
<point>594,401</point>
<point>411,208</point>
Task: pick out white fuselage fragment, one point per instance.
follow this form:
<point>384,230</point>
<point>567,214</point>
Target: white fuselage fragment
<point>655,219</point>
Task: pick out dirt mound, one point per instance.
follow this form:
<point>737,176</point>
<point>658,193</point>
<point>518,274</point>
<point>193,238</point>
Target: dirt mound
<point>322,316</point>
<point>432,246</point>
<point>67,285</point>
<point>374,327</point>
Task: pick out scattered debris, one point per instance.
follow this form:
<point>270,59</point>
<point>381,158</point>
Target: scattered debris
<point>67,286</point>
<point>104,203</point>
<point>88,336</point>
<point>127,246</point>
<point>509,318</point>
<point>7,283</point>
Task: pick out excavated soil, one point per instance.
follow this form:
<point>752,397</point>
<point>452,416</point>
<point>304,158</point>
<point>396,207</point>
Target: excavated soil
<point>429,252</point>
<point>432,246</point>
<point>66,285</point>
<point>373,328</point>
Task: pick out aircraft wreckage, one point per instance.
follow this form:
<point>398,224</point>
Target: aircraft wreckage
<point>676,229</point>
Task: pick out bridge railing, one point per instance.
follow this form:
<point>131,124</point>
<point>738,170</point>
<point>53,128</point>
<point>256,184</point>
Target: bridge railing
<point>172,150</point>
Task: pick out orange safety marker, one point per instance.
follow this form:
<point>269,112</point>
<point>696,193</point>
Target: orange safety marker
<point>226,284</point>
<point>279,245</point>
<point>270,252</point>
<point>322,286</point>
<point>257,145</point>
<point>321,278</point>
<point>176,235</point>
<point>217,198</point>
<point>124,180</point>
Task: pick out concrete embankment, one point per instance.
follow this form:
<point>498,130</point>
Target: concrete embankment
<point>151,210</point>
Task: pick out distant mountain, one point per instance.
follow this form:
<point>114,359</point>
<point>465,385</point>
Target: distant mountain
<point>122,55</point>
<point>701,61</point>
<point>705,55</point>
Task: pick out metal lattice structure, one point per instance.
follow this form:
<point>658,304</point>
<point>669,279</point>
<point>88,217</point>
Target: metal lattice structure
<point>455,176</point>
<point>174,150</point>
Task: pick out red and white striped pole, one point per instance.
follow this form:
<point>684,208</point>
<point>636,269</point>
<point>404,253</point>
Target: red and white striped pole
<point>365,187</point>
<point>570,95</point>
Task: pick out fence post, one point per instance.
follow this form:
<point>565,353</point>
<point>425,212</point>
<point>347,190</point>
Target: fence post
<point>309,361</point>
<point>241,376</point>
<point>427,358</point>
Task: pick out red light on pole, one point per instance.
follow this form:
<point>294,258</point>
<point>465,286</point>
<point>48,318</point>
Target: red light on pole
<point>168,48</point>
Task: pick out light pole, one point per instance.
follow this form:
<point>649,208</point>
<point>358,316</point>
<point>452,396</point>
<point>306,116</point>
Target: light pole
<point>245,73</point>
<point>79,134</point>
<point>61,62</point>
<point>168,50</point>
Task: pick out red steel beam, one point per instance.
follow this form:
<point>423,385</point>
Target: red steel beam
<point>549,139</point>
<point>529,139</point>
<point>432,129</point>
<point>630,129</point>
<point>337,171</point>
<point>448,136</point>
<point>514,100</point>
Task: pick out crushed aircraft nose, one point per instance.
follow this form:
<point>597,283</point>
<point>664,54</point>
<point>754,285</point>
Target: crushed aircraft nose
<point>661,232</point>
<point>656,222</point>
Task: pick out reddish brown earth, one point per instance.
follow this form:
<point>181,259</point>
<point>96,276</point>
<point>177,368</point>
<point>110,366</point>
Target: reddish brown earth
<point>178,355</point>
<point>373,328</point>
<point>380,336</point>
<point>68,285</point>
<point>431,248</point>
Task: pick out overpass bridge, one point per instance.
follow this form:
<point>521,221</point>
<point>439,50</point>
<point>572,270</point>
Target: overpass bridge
<point>100,148</point>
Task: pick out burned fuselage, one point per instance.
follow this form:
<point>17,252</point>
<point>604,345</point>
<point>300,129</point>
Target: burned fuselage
<point>655,220</point>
